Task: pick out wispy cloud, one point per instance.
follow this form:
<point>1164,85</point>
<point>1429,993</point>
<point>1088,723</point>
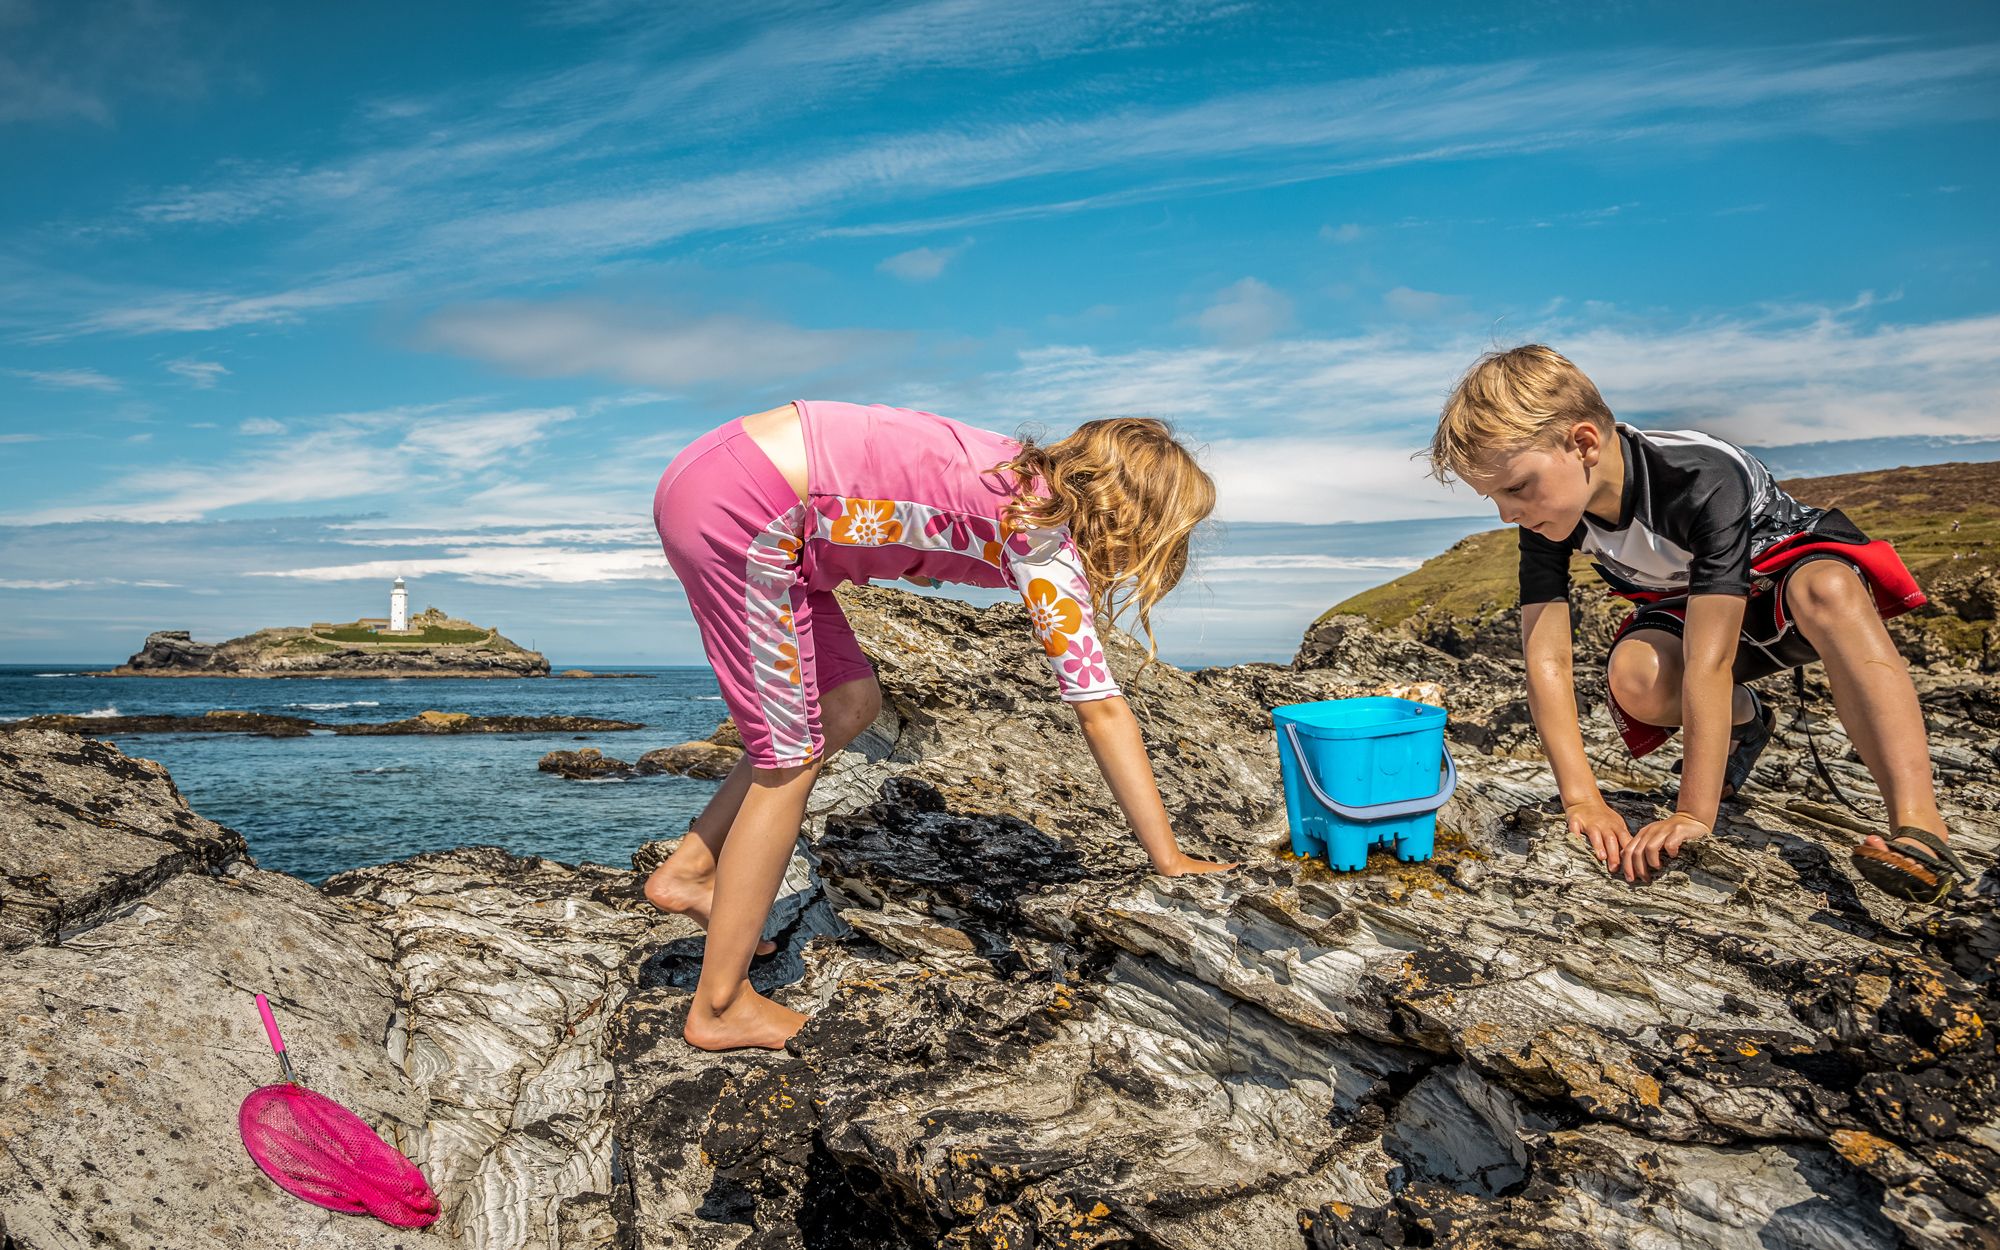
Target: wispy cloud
<point>530,566</point>
<point>642,344</point>
<point>921,264</point>
<point>261,427</point>
<point>1246,311</point>
<point>200,374</point>
<point>66,63</point>
<point>411,206</point>
<point>69,379</point>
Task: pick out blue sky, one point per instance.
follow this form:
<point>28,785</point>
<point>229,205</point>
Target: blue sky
<point>295,298</point>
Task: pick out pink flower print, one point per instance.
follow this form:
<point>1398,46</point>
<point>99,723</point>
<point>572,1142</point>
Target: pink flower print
<point>964,533</point>
<point>1084,662</point>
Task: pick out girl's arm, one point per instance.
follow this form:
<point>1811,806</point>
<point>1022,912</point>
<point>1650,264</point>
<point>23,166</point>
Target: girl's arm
<point>1113,734</point>
<point>1708,653</point>
<point>1546,646</point>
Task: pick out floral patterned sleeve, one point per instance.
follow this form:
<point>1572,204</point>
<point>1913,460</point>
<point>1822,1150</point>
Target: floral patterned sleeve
<point>1044,566</point>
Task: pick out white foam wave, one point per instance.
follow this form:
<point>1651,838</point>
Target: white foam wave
<point>101,713</point>
<point>328,707</point>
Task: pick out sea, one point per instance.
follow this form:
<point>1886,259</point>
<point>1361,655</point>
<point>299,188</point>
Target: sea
<point>323,804</point>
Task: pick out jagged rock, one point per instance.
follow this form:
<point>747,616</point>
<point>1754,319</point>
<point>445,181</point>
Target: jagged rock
<point>262,724</point>
<point>589,764</point>
<point>434,722</point>
<point>299,652</point>
<point>692,759</point>
<point>1022,1038</point>
<point>136,935</point>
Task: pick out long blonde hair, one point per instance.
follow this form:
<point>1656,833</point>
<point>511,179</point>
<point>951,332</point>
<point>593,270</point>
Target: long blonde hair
<point>1131,497</point>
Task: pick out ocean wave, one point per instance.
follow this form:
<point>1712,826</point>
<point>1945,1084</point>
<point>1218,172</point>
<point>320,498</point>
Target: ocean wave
<point>101,713</point>
<point>386,768</point>
<point>708,698</point>
<point>55,674</point>
<point>328,707</point>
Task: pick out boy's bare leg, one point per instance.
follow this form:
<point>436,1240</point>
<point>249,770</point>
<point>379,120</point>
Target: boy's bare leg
<point>1645,675</point>
<point>1872,690</point>
<point>686,881</point>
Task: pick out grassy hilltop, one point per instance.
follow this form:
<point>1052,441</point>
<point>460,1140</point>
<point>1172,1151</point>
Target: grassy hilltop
<point>1944,519</point>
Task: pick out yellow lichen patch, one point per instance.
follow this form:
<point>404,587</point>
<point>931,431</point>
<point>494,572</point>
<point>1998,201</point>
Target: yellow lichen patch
<point>1097,1212</point>
<point>1861,1148</point>
<point>1746,1050</point>
<point>1341,1209</point>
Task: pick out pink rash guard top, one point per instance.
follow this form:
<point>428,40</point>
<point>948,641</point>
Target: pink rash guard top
<point>893,492</point>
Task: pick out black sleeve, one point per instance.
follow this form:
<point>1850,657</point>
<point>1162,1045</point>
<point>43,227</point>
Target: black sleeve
<point>1545,566</point>
<point>1718,536</point>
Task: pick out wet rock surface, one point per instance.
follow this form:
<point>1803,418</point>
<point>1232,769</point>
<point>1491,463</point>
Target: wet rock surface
<point>468,723</point>
<point>1020,1037</point>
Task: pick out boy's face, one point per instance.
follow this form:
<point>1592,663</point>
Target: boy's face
<point>1544,489</point>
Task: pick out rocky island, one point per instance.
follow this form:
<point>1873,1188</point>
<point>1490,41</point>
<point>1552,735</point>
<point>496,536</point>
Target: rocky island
<point>1020,1037</point>
<point>434,645</point>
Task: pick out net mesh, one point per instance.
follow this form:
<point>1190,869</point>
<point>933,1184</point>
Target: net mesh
<point>320,1151</point>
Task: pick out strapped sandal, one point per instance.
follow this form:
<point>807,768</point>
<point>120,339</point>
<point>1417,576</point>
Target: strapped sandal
<point>1751,739</point>
<point>1909,871</point>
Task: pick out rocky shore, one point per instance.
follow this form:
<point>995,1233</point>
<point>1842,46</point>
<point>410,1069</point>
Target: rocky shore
<point>300,652</point>
<point>273,725</point>
<point>1020,1037</point>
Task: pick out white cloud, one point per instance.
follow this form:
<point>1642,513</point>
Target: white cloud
<point>200,374</point>
<point>1413,305</point>
<point>639,344</point>
<point>1246,311</point>
<point>469,443</point>
<point>260,427</point>
<point>921,264</point>
<point>69,379</point>
<point>1314,430</point>
<point>13,584</point>
<point>527,566</point>
<point>20,438</point>
<point>1347,233</point>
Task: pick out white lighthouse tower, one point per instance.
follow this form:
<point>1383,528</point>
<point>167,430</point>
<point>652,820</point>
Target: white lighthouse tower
<point>399,608</point>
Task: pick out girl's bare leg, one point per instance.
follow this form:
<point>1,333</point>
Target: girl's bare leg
<point>1871,690</point>
<point>726,1013</point>
<point>685,883</point>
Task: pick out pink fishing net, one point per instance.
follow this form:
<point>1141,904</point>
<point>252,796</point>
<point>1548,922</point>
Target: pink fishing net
<point>322,1152</point>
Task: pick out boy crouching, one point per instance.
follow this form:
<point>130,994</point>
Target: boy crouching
<point>1732,579</point>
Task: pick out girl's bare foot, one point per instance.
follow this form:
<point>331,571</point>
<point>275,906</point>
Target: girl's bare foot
<point>687,896</point>
<point>750,1020</point>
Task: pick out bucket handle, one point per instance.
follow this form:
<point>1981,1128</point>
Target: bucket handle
<point>1375,811</point>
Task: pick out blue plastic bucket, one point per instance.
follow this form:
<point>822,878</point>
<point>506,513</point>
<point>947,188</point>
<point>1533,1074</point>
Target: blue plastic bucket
<point>1361,773</point>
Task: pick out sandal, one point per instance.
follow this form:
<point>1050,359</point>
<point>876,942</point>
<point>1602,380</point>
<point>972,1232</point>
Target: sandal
<point>1909,871</point>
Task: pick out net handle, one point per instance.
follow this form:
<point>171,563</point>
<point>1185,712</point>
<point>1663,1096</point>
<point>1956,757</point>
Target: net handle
<point>277,1039</point>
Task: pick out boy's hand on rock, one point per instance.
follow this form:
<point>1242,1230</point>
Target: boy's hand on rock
<point>1187,866</point>
<point>1605,830</point>
<point>1658,842</point>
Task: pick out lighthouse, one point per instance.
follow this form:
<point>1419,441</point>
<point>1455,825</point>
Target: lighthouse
<point>399,608</point>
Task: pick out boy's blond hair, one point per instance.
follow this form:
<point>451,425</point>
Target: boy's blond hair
<point>1510,401</point>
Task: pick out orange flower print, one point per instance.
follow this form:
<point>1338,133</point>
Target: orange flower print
<point>788,662</point>
<point>1054,615</point>
<point>867,523</point>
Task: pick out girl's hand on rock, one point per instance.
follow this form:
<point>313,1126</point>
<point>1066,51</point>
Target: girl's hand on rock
<point>1658,842</point>
<point>1187,866</point>
<point>1606,831</point>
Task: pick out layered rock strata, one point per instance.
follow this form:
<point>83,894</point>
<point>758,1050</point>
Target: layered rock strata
<point>1020,1037</point>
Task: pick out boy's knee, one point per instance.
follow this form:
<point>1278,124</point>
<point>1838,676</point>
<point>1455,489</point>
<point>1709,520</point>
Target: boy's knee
<point>1634,677</point>
<point>1824,592</point>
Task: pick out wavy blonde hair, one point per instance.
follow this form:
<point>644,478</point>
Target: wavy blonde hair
<point>1531,396</point>
<point>1131,497</point>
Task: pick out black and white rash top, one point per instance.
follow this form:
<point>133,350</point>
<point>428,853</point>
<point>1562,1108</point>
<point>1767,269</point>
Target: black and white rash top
<point>1695,512</point>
